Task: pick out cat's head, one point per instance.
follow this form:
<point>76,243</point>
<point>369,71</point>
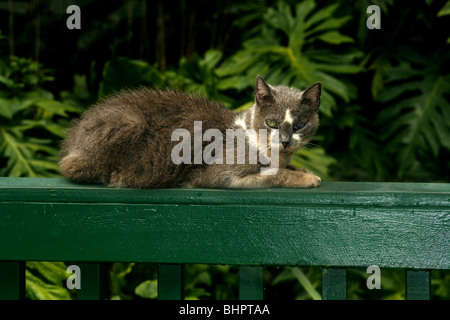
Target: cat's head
<point>291,111</point>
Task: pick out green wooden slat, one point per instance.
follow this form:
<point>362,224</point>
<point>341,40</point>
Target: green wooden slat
<point>329,193</point>
<point>418,285</point>
<point>92,281</point>
<point>266,235</point>
<point>251,283</point>
<point>344,224</point>
<point>12,280</point>
<point>171,282</point>
<point>334,284</point>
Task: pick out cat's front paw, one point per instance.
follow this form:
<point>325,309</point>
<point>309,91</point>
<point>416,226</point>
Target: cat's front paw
<point>311,181</point>
<point>308,179</point>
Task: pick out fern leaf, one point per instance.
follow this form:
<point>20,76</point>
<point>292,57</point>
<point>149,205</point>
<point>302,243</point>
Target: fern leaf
<point>297,62</point>
<point>418,118</point>
<point>315,160</point>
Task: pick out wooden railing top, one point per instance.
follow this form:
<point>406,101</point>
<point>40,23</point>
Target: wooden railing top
<point>343,224</point>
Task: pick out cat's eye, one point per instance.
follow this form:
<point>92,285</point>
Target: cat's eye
<point>298,126</point>
<point>272,124</point>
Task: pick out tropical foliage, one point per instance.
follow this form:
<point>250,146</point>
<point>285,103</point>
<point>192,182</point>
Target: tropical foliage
<point>385,112</point>
<point>31,120</point>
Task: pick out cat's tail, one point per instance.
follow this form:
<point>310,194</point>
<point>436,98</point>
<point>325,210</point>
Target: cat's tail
<point>73,167</point>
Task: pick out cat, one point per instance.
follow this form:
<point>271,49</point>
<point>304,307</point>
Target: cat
<point>128,140</point>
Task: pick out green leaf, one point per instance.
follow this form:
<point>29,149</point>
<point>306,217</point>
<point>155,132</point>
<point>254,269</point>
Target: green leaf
<point>36,289</point>
<point>198,75</point>
<point>417,119</point>
<point>315,160</point>
<point>370,162</point>
<point>26,156</point>
<point>122,73</point>
<point>55,128</point>
<point>335,37</point>
<point>53,272</point>
<point>6,81</point>
<point>445,10</point>
<point>281,18</point>
<point>321,15</point>
<point>306,284</point>
<point>18,164</point>
<point>51,106</point>
<point>211,59</point>
<point>46,281</point>
<point>6,109</point>
<point>28,113</point>
<point>147,289</point>
<point>196,293</point>
<point>296,62</point>
<point>285,275</point>
<point>328,24</point>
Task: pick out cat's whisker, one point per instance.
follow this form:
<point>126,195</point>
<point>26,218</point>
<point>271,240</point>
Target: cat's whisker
<point>315,145</point>
<point>301,150</point>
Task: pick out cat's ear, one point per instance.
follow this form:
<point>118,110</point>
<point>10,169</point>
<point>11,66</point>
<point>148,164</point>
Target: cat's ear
<point>263,92</point>
<point>311,96</point>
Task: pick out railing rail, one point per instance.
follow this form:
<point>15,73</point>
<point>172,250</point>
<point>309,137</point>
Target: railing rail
<point>335,226</point>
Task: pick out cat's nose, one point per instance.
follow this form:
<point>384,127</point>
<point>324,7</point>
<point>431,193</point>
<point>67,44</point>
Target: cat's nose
<point>285,143</point>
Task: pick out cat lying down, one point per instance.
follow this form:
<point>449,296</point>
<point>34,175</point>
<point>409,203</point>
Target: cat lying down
<point>149,138</point>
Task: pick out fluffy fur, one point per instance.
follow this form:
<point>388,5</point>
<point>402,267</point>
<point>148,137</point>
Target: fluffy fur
<point>125,140</point>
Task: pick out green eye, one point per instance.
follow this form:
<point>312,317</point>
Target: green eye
<point>272,123</point>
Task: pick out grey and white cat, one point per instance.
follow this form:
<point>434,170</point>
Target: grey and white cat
<point>127,139</point>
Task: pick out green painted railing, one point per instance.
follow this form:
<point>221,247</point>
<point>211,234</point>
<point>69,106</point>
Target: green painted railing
<point>335,226</point>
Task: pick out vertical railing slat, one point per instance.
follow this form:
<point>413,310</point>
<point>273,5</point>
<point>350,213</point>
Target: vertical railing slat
<point>251,283</point>
<point>334,284</point>
<point>92,281</point>
<point>171,282</point>
<point>418,285</point>
<point>12,280</point>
